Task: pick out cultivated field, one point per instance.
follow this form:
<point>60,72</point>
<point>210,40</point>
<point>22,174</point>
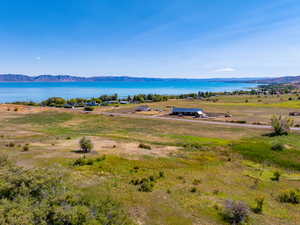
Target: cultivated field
<point>192,168</point>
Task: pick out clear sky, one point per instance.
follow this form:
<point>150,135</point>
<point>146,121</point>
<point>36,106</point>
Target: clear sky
<point>153,38</point>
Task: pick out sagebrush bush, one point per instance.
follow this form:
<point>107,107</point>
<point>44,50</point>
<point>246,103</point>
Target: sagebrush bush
<point>278,147</point>
<point>193,190</point>
<point>83,161</point>
<point>193,147</point>
<point>25,148</point>
<point>259,205</point>
<point>44,196</point>
<point>147,184</point>
<point>281,124</point>
<point>235,212</point>
<point>196,181</point>
<point>276,176</point>
<point>290,196</point>
<point>11,144</point>
<point>161,174</point>
<point>144,146</point>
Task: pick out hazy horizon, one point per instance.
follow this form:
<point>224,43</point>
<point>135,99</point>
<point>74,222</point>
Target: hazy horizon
<point>159,77</point>
<point>158,38</point>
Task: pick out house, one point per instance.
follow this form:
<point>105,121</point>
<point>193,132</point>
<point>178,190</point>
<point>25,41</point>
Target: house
<point>92,104</point>
<point>113,102</point>
<point>188,112</point>
<point>143,108</point>
<point>68,106</point>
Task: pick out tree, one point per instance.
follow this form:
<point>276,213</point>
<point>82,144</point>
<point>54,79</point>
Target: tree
<point>86,145</point>
<point>54,101</point>
<point>281,124</point>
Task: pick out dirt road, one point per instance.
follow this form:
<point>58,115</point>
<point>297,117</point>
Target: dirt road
<point>203,121</point>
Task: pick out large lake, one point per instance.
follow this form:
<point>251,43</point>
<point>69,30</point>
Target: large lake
<point>38,91</point>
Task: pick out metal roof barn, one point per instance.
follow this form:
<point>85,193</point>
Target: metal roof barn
<point>187,111</point>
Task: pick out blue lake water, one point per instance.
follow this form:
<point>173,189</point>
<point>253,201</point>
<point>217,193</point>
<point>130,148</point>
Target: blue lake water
<point>38,91</point>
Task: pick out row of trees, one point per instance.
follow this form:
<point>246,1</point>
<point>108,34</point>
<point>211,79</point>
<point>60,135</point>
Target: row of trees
<point>78,101</point>
<point>140,98</point>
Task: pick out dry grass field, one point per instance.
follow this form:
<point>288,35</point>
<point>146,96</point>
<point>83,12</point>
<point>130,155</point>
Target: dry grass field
<point>195,168</point>
<point>251,109</point>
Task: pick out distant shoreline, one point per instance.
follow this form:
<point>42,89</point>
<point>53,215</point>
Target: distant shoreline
<point>69,78</point>
<point>38,91</point>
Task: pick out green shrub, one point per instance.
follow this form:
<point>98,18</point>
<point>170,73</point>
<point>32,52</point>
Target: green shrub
<point>193,147</point>
<point>152,178</point>
<point>276,176</point>
<point>79,162</point>
<point>196,182</point>
<point>99,159</point>
<point>89,108</point>
<point>86,145</point>
<point>25,148</point>
<point>259,205</point>
<point>4,161</point>
<point>278,147</point>
<point>290,196</point>
<point>193,190</point>
<point>146,186</point>
<point>43,196</point>
<point>281,125</point>
<point>216,192</point>
<point>180,178</point>
<point>83,161</point>
<point>11,144</point>
<point>161,174</point>
<point>89,162</point>
<point>144,146</point>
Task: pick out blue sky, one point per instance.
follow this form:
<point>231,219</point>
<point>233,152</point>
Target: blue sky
<point>153,38</point>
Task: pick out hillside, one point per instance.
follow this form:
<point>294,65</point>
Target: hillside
<point>69,78</point>
<point>279,80</point>
<point>65,78</point>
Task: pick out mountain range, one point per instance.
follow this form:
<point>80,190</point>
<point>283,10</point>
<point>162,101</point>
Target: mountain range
<point>69,78</point>
<point>63,78</point>
<point>280,80</point>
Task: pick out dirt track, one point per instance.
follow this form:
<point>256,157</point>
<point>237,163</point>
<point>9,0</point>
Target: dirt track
<point>203,121</point>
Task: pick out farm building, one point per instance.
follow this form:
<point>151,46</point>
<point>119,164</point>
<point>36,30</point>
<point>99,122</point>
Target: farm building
<point>143,108</point>
<point>188,111</point>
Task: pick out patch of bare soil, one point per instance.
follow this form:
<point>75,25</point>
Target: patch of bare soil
<point>69,149</point>
<point>23,109</point>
